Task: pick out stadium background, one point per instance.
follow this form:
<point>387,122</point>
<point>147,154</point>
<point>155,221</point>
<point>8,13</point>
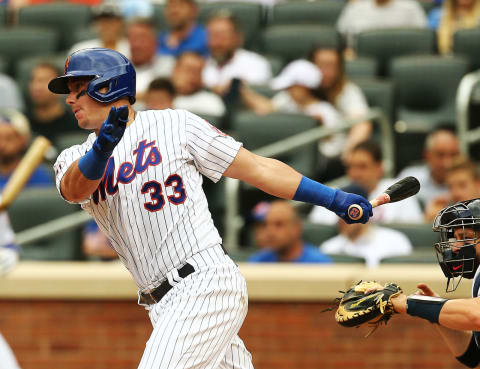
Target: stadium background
<point>72,314</point>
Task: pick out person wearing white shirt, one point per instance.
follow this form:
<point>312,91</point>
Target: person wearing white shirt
<point>365,168</point>
<point>227,59</point>
<point>109,23</point>
<point>187,80</point>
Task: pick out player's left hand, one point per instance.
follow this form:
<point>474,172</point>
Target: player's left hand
<point>8,260</point>
<point>343,200</point>
<point>111,131</point>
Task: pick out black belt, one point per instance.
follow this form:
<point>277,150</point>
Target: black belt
<point>150,298</point>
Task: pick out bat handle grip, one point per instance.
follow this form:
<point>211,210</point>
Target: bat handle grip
<point>355,212</point>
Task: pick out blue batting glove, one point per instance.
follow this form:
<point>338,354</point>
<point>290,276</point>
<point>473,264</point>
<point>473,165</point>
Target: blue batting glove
<point>343,200</point>
<point>111,131</point>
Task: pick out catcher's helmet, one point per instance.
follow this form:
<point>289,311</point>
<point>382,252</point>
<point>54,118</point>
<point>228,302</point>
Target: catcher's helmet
<point>106,67</point>
<point>459,227</point>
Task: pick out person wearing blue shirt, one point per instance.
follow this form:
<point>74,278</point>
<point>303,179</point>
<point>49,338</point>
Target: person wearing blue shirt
<point>184,33</point>
<point>283,233</point>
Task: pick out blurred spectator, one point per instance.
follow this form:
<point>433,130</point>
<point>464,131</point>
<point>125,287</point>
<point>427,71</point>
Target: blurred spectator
<point>47,113</point>
<point>358,16</point>
<point>14,140</point>
<point>10,96</point>
<point>109,24</point>
<point>452,16</point>
<point>95,244</point>
<point>441,148</point>
<point>184,33</point>
<point>463,181</point>
<point>367,241</point>
<point>160,95</point>
<point>296,84</point>
<point>148,65</point>
<point>187,80</point>
<point>228,59</point>
<point>342,93</point>
<point>365,168</point>
<point>283,235</point>
<point>259,214</point>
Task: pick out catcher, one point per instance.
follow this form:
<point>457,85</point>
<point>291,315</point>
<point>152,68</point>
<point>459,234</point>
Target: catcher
<point>456,320</point>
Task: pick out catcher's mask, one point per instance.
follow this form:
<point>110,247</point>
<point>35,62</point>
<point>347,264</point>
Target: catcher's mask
<point>459,227</point>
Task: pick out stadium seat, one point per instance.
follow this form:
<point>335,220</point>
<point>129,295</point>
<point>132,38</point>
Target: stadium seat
<point>379,94</point>
<point>296,41</point>
<point>421,256</point>
<point>264,90</point>
<point>426,88</point>
<point>466,42</point>
<point>24,67</point>
<point>316,234</point>
<point>385,44</point>
<point>325,12</point>
<point>249,15</point>
<point>66,140</point>
<point>20,42</point>
<point>420,235</point>
<point>256,131</point>
<point>158,16</point>
<point>3,16</point>
<point>361,68</point>
<point>36,206</point>
<point>3,66</point>
<point>65,18</point>
<point>276,64</point>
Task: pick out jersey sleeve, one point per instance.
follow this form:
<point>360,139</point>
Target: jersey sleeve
<point>66,158</point>
<point>7,237</point>
<point>212,150</point>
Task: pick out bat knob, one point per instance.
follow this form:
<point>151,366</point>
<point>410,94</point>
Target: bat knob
<point>355,212</point>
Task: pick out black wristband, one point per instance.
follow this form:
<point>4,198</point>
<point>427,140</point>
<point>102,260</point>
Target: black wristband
<point>425,307</point>
<point>471,357</point>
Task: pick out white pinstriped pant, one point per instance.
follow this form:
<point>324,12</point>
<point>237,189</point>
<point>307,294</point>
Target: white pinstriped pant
<point>196,324</point>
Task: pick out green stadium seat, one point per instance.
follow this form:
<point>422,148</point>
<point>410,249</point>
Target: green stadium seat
<point>466,42</point>
<point>264,90</point>
<point>379,94</point>
<point>316,234</point>
<point>21,42</point>
<point>249,15</point>
<point>385,44</point>
<point>324,12</point>
<point>276,63</point>
<point>3,66</point>
<point>427,5</point>
<point>361,68</point>
<point>159,18</point>
<point>65,18</point>
<point>83,34</point>
<point>420,235</point>
<point>66,140</point>
<point>3,15</point>
<point>338,258</point>
<point>24,67</point>
<point>416,257</point>
<point>296,41</point>
<point>256,131</point>
<point>36,206</point>
<point>426,88</point>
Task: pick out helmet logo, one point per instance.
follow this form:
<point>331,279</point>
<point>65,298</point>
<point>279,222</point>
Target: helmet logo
<point>66,65</point>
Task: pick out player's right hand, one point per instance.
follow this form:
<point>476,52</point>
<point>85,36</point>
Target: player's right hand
<point>112,130</point>
<point>342,202</point>
<point>8,260</point>
<point>425,290</point>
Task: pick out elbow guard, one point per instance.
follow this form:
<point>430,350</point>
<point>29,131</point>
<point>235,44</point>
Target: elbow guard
<point>471,357</point>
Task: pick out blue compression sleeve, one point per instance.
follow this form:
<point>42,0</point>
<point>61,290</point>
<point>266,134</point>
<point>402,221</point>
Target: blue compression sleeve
<point>92,164</point>
<point>314,193</point>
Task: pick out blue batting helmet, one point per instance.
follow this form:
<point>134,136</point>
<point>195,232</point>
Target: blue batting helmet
<point>106,67</point>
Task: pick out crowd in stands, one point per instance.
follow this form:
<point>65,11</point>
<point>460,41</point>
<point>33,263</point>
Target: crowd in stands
<point>210,64</point>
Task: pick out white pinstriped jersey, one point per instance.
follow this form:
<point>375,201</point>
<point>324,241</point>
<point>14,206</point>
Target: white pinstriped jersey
<point>150,202</point>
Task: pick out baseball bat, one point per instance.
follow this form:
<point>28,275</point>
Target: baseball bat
<point>32,158</point>
<point>400,190</point>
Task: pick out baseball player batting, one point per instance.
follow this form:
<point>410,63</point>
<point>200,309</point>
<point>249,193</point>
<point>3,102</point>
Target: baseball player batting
<point>139,175</point>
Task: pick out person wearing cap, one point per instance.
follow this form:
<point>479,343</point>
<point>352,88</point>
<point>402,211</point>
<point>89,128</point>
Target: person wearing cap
<point>109,24</point>
<point>228,59</point>
<point>258,215</point>
<point>14,140</point>
<point>295,85</point>
<point>184,34</point>
<point>370,242</point>
<point>283,235</point>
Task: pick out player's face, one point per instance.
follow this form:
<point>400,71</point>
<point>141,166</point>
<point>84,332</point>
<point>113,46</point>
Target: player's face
<point>462,186</point>
<point>465,236</point>
<point>222,39</point>
<point>364,170</point>
<point>90,114</point>
<point>327,61</point>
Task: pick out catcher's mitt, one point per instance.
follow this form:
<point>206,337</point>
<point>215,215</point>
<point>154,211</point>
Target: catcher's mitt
<point>357,308</point>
